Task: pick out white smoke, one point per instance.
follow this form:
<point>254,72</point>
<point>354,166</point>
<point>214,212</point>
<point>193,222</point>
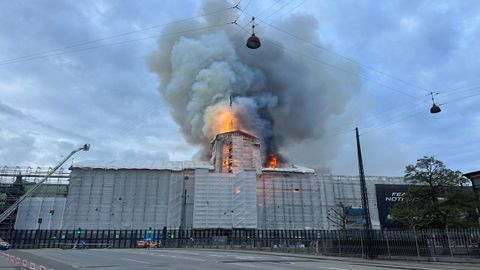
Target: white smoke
<point>283,98</point>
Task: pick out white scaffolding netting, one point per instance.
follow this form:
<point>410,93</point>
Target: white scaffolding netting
<point>225,200</point>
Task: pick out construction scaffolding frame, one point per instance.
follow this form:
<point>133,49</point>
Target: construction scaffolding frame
<point>16,181</point>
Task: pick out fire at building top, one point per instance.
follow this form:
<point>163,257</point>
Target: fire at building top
<point>237,150</point>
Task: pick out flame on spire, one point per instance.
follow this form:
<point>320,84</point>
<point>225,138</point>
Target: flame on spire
<point>220,119</point>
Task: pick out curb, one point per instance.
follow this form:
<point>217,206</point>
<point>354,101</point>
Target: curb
<point>25,264</point>
<point>465,261</point>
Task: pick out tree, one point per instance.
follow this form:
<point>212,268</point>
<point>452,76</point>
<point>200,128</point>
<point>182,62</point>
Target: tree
<point>338,216</point>
<point>437,199</point>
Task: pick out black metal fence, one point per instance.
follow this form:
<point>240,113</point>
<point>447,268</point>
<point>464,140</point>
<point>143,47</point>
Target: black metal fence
<point>374,243</point>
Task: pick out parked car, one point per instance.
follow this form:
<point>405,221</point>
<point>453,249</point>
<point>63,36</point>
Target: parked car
<point>147,244</point>
<point>4,245</point>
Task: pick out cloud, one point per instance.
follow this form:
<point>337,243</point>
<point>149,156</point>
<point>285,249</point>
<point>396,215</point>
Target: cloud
<point>104,97</point>
<point>107,95</point>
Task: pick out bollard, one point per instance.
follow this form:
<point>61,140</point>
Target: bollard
<point>388,245</point>
<point>449,243</point>
<point>361,244</point>
<point>416,242</point>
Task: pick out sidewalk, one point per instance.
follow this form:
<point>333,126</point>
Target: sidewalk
<point>411,262</point>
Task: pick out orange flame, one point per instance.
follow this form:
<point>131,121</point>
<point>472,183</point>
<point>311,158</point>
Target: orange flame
<point>225,121</point>
<point>272,161</point>
<point>219,119</point>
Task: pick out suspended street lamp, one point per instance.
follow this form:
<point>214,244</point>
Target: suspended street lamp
<point>253,41</point>
<point>435,108</point>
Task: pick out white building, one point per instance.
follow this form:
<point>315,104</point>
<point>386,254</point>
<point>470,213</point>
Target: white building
<point>232,191</point>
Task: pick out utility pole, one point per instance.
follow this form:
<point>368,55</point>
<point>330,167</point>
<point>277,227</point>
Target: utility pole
<point>366,211</point>
<point>363,185</point>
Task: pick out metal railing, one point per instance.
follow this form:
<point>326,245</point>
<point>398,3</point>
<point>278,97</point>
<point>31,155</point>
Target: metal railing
<point>375,243</point>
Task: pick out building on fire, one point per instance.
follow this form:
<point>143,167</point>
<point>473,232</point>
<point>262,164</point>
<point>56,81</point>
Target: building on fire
<point>233,190</point>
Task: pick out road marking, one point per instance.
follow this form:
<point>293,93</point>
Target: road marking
<point>126,259</point>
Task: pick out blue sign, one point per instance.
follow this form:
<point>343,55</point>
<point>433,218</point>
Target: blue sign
<point>355,211</point>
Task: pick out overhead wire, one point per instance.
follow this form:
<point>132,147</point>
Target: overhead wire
<point>397,111</point>
<point>261,29</point>
<point>455,91</point>
<point>115,43</point>
<point>444,93</point>
<point>52,52</point>
<point>368,123</point>
<point>340,55</point>
<point>242,11</point>
<point>333,66</point>
<point>276,11</point>
<point>415,112</point>
<point>393,121</point>
<point>260,13</point>
<point>371,118</point>
<point>35,55</point>
<point>461,98</point>
<point>401,116</point>
<point>127,127</point>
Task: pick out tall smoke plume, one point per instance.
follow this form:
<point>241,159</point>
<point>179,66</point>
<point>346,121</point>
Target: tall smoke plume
<point>282,98</point>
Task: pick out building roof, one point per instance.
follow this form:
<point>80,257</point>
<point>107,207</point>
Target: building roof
<point>472,174</point>
<point>293,168</point>
<point>237,131</point>
<point>142,165</point>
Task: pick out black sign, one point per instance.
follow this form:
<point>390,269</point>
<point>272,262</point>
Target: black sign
<point>387,197</point>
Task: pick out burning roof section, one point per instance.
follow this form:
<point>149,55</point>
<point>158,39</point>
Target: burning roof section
<point>236,150</point>
<point>237,132</point>
<point>142,165</point>
<point>289,169</point>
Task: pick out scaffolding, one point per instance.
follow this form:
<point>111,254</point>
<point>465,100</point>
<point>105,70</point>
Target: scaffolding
<point>16,181</point>
<point>302,201</point>
<point>138,195</point>
<point>235,151</point>
<point>225,200</point>
<point>125,198</point>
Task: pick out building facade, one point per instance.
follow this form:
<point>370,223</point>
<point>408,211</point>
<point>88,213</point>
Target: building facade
<point>231,191</point>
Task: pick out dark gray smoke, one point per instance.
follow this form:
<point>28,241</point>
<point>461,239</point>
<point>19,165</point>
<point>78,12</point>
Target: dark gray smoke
<point>280,96</point>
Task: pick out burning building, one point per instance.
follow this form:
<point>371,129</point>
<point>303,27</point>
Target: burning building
<point>234,151</point>
<point>234,190</point>
<point>240,107</point>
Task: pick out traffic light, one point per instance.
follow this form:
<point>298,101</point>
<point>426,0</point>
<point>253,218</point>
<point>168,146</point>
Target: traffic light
<point>78,231</point>
<point>52,212</point>
<point>149,234</point>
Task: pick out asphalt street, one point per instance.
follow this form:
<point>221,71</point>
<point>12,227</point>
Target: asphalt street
<point>7,265</point>
<point>106,259</point>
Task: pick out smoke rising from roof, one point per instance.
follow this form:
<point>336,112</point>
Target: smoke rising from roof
<point>280,97</point>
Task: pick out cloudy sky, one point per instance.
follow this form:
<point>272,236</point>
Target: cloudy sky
<point>73,72</point>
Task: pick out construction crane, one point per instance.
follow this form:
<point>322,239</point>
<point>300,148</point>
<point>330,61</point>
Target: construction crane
<point>14,206</point>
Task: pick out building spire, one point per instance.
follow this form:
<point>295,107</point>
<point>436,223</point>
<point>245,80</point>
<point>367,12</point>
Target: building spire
<point>231,112</point>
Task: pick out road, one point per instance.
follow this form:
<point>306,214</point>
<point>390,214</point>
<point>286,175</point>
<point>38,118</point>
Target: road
<point>119,259</point>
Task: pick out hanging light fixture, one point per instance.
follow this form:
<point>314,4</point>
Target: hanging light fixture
<point>435,108</point>
<point>253,41</point>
